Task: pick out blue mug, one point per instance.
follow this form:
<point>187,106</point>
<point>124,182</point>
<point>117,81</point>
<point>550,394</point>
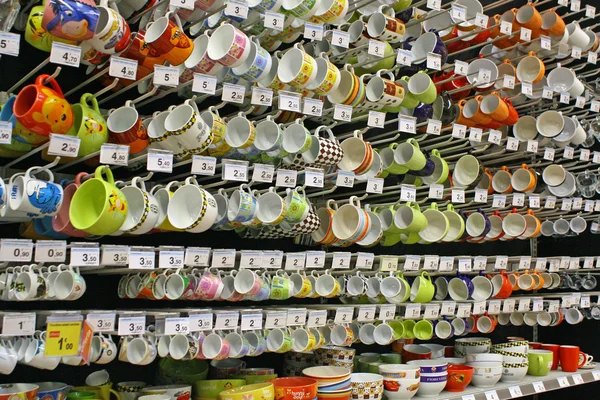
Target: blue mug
<point>52,390</point>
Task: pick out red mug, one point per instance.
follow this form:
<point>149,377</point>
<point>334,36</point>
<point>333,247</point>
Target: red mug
<point>42,109</point>
<point>168,39</point>
<point>535,345</point>
<point>570,358</point>
<point>554,348</point>
<point>513,114</point>
<point>418,353</point>
<point>125,126</point>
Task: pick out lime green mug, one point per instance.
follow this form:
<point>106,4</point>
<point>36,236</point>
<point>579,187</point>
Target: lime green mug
<point>540,362</point>
<point>423,330</point>
<point>422,289</point>
<point>409,218</point>
<point>390,240</point>
<point>409,101</point>
<point>74,395</point>
<point>440,171</point>
<point>88,125</point>
<point>409,326</point>
<point>422,87</point>
<point>410,155</point>
<point>391,358</point>
<point>456,224</point>
<point>390,164</point>
<point>98,207</point>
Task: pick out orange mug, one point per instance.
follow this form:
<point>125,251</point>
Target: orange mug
<point>168,39</point>
<point>552,23</point>
<point>462,119</point>
<point>494,106</point>
<point>529,17</point>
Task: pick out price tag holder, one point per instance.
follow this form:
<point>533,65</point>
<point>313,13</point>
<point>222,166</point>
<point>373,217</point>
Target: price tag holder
<point>512,144</point>
<point>197,256</point>
<point>65,54</point>
<point>21,324</point>
<point>434,127</point>
<point>366,314</point>
<point>532,146</point>
<point>524,305</point>
<point>233,93</point>
<point>85,256</point>
<point>475,135</point>
<point>165,76</point>
<point>458,196</point>
<point>340,38</point>
<point>345,179</point>
<point>342,112</point>
<point>234,171</point>
<point>479,263</point>
<point>131,326</point>
<point>341,260</point>
<point>50,251</point>
<point>313,31</point>
<point>388,264</point>
<point>63,145</point>
<point>539,387</point>
<point>465,265</point>
<point>580,102</point>
<point>538,305</point>
<point>464,310</point>
<point>585,302</point>
<point>505,27</point>
<point>525,35</point>
<point>458,13</point>
<point>407,124</point>
<point>491,395</point>
<point>412,311</point>
<point>434,4</point>
<point>567,205</point>
<point>201,322</point>
<point>577,203</point>
<point>364,260</point>
<point>446,263</point>
<point>565,97</point>
<point>344,315</point>
<point>481,20</point>
<point>274,20</point>
<point>494,307</point>
<point>376,119</point>
<point>590,11</point>
<point>251,321</point>
<point>515,391</point>
<point>175,326</point>
<point>596,374</point>
<point>534,202</point>
<point>553,306</point>
<point>578,379</point>
<point>6,129</point>
<point>547,93</point>
<point>376,48</point>
<point>171,259</point>
<point>436,191</point>
<point>315,259</point>
<point>432,311</point>
<point>123,68</point>
<point>569,152</point>
<point>296,317</point>
<point>295,261</point>
<point>141,259</point>
<point>10,44</point>
<point>499,201</point>
<point>115,255</point>
<point>236,9</point>
<point>518,199</point>
<point>460,67</point>
<point>160,161</point>
<point>316,318</point>
<point>412,263</point>
<point>114,154</point>
<point>495,136</point>
<point>448,308</point>
<point>289,102</point>
<point>508,306</point>
<point>286,178</point>
<point>263,173</point>
<point>484,75</point>
<point>592,57</point>
<point>501,262</point>
<point>272,259</point>
<point>387,312</point>
<point>224,258</point>
<point>508,82</point>
<point>227,320</point>
<point>549,153</point>
<point>431,263</point>
<point>408,193</point>
<point>204,165</point>
<point>263,97</point>
<point>459,131</point>
<point>63,338</point>
<point>584,155</point>
<point>434,61</point>
<point>575,5</point>
<point>375,185</point>
<point>405,57</point>
<point>313,107</point>
<point>481,196</point>
<point>596,157</point>
<point>204,84</point>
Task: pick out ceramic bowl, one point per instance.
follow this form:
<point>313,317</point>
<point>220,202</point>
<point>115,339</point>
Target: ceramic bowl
<point>486,374</point>
<point>459,377</point>
<point>514,372</point>
<point>400,389</point>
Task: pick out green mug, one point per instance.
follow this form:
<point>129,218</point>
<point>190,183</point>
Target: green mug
<point>74,395</point>
<point>390,240</point>
<point>456,224</point>
<point>385,63</point>
<point>441,170</point>
<point>393,168</point>
<point>88,125</point>
<point>374,367</point>
<point>398,328</point>
<point>409,218</point>
<point>252,379</point>
<point>422,87</point>
<point>540,362</point>
<point>410,155</point>
<point>422,288</point>
<point>98,207</point>
<point>423,330</point>
<point>409,326</point>
<point>409,101</point>
<point>210,389</point>
<point>280,288</point>
<point>297,206</point>
<point>402,5</point>
<point>364,361</point>
<point>410,238</point>
<point>388,216</point>
<point>102,392</point>
<point>391,358</point>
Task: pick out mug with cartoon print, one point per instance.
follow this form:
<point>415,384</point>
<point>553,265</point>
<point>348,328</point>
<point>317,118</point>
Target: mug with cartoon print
<point>38,197</point>
<point>71,19</point>
<point>89,125</point>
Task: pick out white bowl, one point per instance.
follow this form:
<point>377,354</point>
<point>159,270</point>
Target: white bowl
<point>513,374</point>
<point>485,374</point>
<point>431,386</point>
<point>476,345</point>
<point>407,388</point>
<point>484,357</point>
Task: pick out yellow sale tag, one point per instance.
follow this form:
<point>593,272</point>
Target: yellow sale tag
<point>62,339</point>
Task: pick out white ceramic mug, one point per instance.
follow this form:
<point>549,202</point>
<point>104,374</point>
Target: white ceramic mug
<point>35,196</point>
<point>143,210</point>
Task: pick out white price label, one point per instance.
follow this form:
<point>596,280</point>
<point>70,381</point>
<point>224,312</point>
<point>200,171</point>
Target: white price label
<point>565,97</point>
<point>446,263</point>
<point>525,35</point>
<point>376,48</point>
<point>484,75</point>
<point>313,107</point>
<point>567,205</point>
<point>286,178</point>
<point>592,57</point>
<point>233,93</point>
<point>313,31</point>
<point>366,314</point>
<point>115,255</point>
<point>464,310</point>
<point>524,305</point>
<point>387,312</point>
<point>538,305</point>
<point>527,88</point>
<point>508,82</point>
<point>114,154</point>
<point>344,315</point>
<point>578,379</point>
<point>431,263</point>
<point>251,321</point>
<point>387,264</point>
<point>316,318</point>
<point>10,43</point>
<point>532,146</point>
<point>512,144</point>
<point>432,311</point>
<point>459,131</point>
<point>596,157</point>
<point>175,326</point>
<point>407,124</point>
<point>539,387</point>
<point>479,263</point>
<point>481,20</point>
<point>342,112</point>
<point>575,5</point>
<point>102,322</point>
<point>263,97</point>
<point>495,306</point>
<point>236,9</point>
<point>412,311</point>
<point>315,259</point>
<point>501,262</point>
<point>171,258</point>
<point>584,155</point>
<point>549,154</point>
<point>141,259</point>
<point>585,302</point>
<point>375,185</point>
<point>405,57</point>
<point>123,68</point>
<point>65,54</point>
<point>263,173</point>
<point>6,129</point>
<point>408,193</point>
<point>223,258</point>
<point>63,145</point>
<point>204,165</point>
<point>165,76</point>
<point>85,256</point>
<point>491,395</point>
<point>577,203</point>
<point>376,119</point>
<point>434,61</point>
<point>412,263</point>
<point>364,260</point>
<point>160,162</point>
<point>434,127</point>
<point>295,261</point>
<point>546,42</point>
<point>436,191</point>
<point>534,202</point>
<point>341,260</point>
<point>553,306</point>
<point>197,256</point>
<point>506,27</point>
<point>508,306</point>
<point>340,38</point>
<point>518,199</point>
<point>475,135</point>
<point>515,391</point>
<point>494,136</point>
<point>201,322</point>
<point>187,4</point>
<point>235,171</point>
<point>458,12</point>
<point>596,209</point>
<point>272,259</point>
<point>345,179</point>
<point>434,4</point>
<point>580,102</point>
<point>481,196</point>
<point>204,84</point>
<point>18,324</point>
<point>448,308</point>
<point>132,326</point>
<point>228,320</point>
<point>460,67</point>
<point>540,263</point>
<point>289,102</point>
<point>296,317</point>
<point>588,262</point>
<point>499,201</point>
<point>547,93</point>
<point>590,11</point>
<point>596,374</point>
<point>274,20</point>
<point>50,251</point>
<point>465,265</point>
<point>458,196</point>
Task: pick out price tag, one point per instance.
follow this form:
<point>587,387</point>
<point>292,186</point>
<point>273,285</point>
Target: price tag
<point>506,27</point>
<point>565,97</point>
<point>596,157</point>
<point>274,20</point>
<point>408,193</point>
<point>114,154</point>
<point>480,196</point>
<point>465,265</point>
<point>448,308</point>
<point>475,135</point>
<point>434,4</point>
<point>567,205</point>
<point>407,124</point>
<point>166,76</point>
<point>224,258</point>
<point>204,165</point>
<point>524,305</point>
<point>577,203</point>
<point>436,191</point>
<point>434,127</point>
<point>512,144</point>
<point>499,201</point>
<point>50,251</point>
<point>174,326</point>
<point>132,326</point>
<point>85,256</point>
<point>458,13</point>
<point>344,179</point>
<point>484,75</point>
<point>480,263</point>
<point>458,195</point>
<point>286,178</point>
<point>187,4</point>
<point>585,302</point>
<point>263,173</point>
<point>481,20</point>
<point>289,102</point>
<point>65,54</point>
<point>22,324</point>
<point>295,261</point>
<point>491,395</point>
<point>315,259</point>
<point>364,260</point>
<point>553,306</point>
<point>233,93</point>
<point>501,262</point>
<point>596,374</point>
<point>171,258</point>
<point>140,259</point>
<point>564,262</point>
<point>313,107</point>
<point>508,306</point>
<point>375,185</point>
<point>525,34</point>
<point>412,263</point>
<point>538,305</point>
<point>204,84</point>
<point>376,119</point>
<point>494,137</point>
<point>431,263</point>
<point>201,322</point>
<point>63,338</point>
<point>340,38</point>
<point>115,255</point>
<point>539,387</point>
<point>63,145</point>
<point>366,314</point>
<point>264,97</point>
<point>592,57</point>
<point>343,315</point>
<point>532,146</point>
<point>376,48</point>
<point>459,131</point>
<point>387,312</point>
<point>341,260</point>
<point>432,311</point>
<point>412,311</point>
<point>569,152</point>
<point>464,310</point>
<point>588,262</point>
<point>575,5</point>
<point>296,317</point>
<point>251,321</point>
<point>405,57</point>
<point>313,31</point>
<point>584,155</point>
<point>197,257</point>
<point>546,43</point>
<point>518,199</point>
<point>549,154</point>
<point>229,320</point>
<point>160,162</point>
<point>508,82</point>
<point>434,61</point>
<point>534,202</point>
<point>5,130</point>
<point>596,209</point>
<point>316,318</point>
<point>235,171</point>
<point>342,112</point>
<point>387,264</point>
<point>547,93</point>
<point>494,307</point>
<point>446,263</point>
<point>578,379</point>
<point>236,9</point>
<point>579,101</point>
<point>590,11</point>
<point>527,88</point>
<point>515,391</point>
<point>10,43</point>
<point>272,259</point>
<point>123,68</point>
<point>540,263</point>
<point>574,263</point>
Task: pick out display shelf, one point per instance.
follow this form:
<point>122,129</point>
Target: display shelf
<point>503,391</point>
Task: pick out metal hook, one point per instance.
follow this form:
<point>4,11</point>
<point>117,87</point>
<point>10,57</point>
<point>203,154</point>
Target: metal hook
<point>30,74</point>
<point>87,82</point>
<point>106,89</point>
<point>146,95</point>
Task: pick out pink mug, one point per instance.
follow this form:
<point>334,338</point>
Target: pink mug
<point>209,286</point>
<point>215,347</point>
<point>61,222</point>
<point>247,282</point>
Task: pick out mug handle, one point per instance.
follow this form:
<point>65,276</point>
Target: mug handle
<point>90,97</point>
<point>109,175</point>
<point>51,81</point>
